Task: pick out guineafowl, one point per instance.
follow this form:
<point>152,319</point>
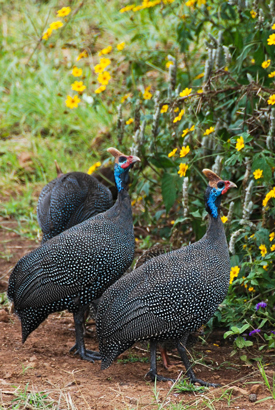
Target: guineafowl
<point>171,295</point>
<point>75,267</point>
<point>70,199</point>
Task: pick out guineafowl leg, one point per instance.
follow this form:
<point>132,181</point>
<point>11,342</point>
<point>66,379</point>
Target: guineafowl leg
<point>153,369</point>
<point>189,371</point>
<point>79,345</point>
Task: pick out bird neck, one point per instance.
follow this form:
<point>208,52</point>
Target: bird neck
<point>215,229</point>
<point>121,178</point>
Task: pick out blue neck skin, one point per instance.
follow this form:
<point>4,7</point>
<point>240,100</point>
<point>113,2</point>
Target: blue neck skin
<point>121,177</point>
<point>211,201</point>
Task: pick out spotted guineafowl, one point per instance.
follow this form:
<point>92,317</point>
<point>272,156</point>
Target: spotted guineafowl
<point>75,267</point>
<point>171,295</point>
<point>69,200</point>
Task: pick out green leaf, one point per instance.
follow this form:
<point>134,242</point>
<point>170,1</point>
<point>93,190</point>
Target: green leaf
<point>229,333</point>
<point>240,342</point>
<point>161,161</point>
<point>236,330</point>
<point>196,214</point>
<point>168,189</point>
<point>248,343</point>
<point>244,327</point>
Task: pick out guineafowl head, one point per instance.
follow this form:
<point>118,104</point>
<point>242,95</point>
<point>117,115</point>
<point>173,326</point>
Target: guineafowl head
<point>216,188</point>
<point>123,163</point>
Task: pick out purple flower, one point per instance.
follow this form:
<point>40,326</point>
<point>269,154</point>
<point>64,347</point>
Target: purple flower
<point>272,331</point>
<point>261,304</point>
<point>254,331</point>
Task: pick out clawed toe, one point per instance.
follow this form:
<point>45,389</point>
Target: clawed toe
<point>159,378</point>
<point>203,383</point>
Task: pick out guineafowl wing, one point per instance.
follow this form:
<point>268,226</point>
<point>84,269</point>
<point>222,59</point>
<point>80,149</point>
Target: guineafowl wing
<point>43,206</point>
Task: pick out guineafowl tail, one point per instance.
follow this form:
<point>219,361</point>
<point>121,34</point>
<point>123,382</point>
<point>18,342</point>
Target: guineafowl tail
<point>109,351</point>
<point>30,320</point>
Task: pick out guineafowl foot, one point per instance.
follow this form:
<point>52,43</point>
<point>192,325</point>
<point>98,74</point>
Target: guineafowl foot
<point>189,371</point>
<point>153,370</point>
<point>154,376</point>
<point>79,346</point>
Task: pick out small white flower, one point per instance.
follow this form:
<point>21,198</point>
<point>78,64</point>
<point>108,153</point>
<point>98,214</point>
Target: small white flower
<point>88,98</point>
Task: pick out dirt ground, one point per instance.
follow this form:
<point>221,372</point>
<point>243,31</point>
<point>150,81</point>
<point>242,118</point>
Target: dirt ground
<point>44,364</point>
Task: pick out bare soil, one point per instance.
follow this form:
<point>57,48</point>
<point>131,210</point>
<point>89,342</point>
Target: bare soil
<point>44,364</point>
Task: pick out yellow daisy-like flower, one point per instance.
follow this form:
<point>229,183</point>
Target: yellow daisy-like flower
<point>253,14</point>
<point>47,34</point>
<point>128,122</point>
<point>172,222</point>
<point>147,95</point>
<point>269,195</point>
<point>104,78</point>
<point>234,273</point>
<point>179,117</point>
<point>224,219</point>
<point>272,248</point>
<point>185,132</point>
<point>258,173</point>
<point>83,54</point>
<point>94,167</point>
<point>78,86</point>
<point>199,76</point>
<point>72,102</point>
<point>106,50</point>
<point>164,109</point>
<point>105,62</point>
<point>240,144</point>
<point>271,100</point>
<point>125,97</point>
<point>271,40</point>
<point>272,74</point>
<point>201,2</point>
<point>120,46</point>
<point>190,3</point>
<point>176,109</point>
<point>100,89</point>
<point>252,60</point>
<point>209,131</point>
<point>192,128</point>
<point>127,8</point>
<point>273,27</point>
<point>167,65</point>
<point>77,72</point>
<point>182,170</point>
<point>65,11</point>
<point>99,68</point>
<point>251,289</point>
<point>265,267</point>
<point>263,250</point>
<point>56,25</point>
<point>184,151</point>
<point>200,91</point>
<point>271,236</point>
<point>186,92</point>
<point>172,153</point>
<point>266,63</point>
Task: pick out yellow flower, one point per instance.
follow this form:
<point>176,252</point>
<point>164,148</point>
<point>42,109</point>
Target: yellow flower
<point>272,248</point>
<point>64,11</point>
<point>184,151</point>
<point>190,3</point>
<point>83,54</point>
<point>100,89</point>
<point>106,50</point>
<point>269,195</point>
<point>209,131</point>
<point>172,222</point>
<point>224,219</point>
<point>167,65</point>
<point>271,236</point>
<point>78,86</point>
<point>164,108</point>
<point>99,68</point>
<point>201,2</point>
<point>94,167</point>
<point>105,62</point>
<point>199,76</point>
<point>253,14</point>
<point>200,91</point>
<point>176,109</point>
<point>182,170</point>
<point>273,27</point>
<point>225,68</point>
<point>272,74</point>
<point>192,128</point>
<point>120,46</point>
<point>179,117</point>
<point>104,78</point>
<point>263,250</point>
<point>172,153</point>
<point>266,63</point>
<point>251,289</point>
<point>147,95</point>
<point>271,39</point>
<point>56,24</point>
<point>125,97</point>
<point>258,173</point>
<point>47,34</point>
<point>244,246</point>
<point>127,8</point>
<point>240,144</point>
<point>271,100</point>
<point>186,92</point>
<point>77,72</point>
<point>128,122</point>
<point>185,132</point>
<point>265,267</point>
<point>72,102</point>
<point>234,273</point>
<point>252,61</point>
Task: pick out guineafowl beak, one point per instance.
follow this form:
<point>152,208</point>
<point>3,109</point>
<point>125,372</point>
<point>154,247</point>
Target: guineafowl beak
<point>228,185</point>
<point>132,159</point>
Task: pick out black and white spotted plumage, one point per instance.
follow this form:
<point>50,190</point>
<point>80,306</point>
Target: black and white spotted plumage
<point>72,269</point>
<point>171,295</point>
<point>69,200</point>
